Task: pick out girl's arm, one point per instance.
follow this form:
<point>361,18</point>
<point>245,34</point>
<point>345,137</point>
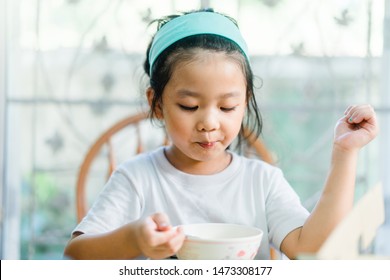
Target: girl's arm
<point>357,128</point>
<point>152,237</point>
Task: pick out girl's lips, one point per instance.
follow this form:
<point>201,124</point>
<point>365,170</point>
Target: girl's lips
<point>207,145</point>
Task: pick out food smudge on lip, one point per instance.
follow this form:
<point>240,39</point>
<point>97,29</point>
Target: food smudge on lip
<point>206,145</point>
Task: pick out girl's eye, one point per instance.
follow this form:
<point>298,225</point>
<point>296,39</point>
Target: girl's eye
<point>188,108</point>
<point>228,109</point>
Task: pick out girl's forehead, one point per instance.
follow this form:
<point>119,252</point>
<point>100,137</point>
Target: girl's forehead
<point>213,64</point>
<point>198,56</point>
<point>209,73</point>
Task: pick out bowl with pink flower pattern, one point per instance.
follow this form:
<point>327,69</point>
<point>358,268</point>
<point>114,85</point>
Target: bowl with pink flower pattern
<point>218,241</point>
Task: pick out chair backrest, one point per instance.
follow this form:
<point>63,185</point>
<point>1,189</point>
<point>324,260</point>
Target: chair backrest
<point>355,233</point>
<point>353,236</point>
<point>106,140</point>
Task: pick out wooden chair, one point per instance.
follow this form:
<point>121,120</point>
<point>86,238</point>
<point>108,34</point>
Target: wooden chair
<point>95,150</point>
<point>353,236</point>
<point>106,140</point>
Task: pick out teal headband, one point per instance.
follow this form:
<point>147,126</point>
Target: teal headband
<point>194,24</point>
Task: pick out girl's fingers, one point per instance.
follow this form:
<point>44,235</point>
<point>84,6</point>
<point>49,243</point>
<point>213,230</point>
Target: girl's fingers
<point>153,236</point>
<point>158,238</point>
<point>175,243</point>
<point>162,221</point>
<point>170,247</point>
<point>358,114</point>
<point>355,118</point>
<point>363,118</point>
<point>346,112</point>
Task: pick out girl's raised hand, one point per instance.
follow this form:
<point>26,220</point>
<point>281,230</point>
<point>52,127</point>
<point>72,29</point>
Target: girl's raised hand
<point>157,239</point>
<point>356,128</point>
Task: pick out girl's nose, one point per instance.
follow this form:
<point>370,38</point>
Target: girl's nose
<point>208,122</point>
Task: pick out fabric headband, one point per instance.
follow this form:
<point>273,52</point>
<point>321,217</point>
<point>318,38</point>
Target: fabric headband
<point>194,24</point>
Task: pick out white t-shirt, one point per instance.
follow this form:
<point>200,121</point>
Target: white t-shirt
<point>249,192</point>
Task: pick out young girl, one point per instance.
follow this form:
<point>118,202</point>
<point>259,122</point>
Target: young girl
<point>201,88</point>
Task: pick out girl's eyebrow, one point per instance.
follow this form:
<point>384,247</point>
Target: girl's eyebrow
<point>187,93</point>
<point>231,94</point>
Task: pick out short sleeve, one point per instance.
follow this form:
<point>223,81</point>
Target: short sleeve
<point>284,209</point>
<point>118,203</point>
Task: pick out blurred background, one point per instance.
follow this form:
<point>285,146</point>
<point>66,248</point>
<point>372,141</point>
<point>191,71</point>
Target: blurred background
<point>70,69</point>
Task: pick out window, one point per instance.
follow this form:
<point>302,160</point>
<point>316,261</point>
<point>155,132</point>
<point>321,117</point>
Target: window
<point>75,67</point>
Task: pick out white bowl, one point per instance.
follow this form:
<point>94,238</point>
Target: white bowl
<point>213,241</point>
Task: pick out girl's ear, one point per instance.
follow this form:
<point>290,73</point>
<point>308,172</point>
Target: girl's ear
<point>157,111</point>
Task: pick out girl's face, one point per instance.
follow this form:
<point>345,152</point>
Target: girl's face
<point>203,106</point>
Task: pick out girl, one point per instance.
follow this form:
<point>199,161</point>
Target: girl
<point>201,88</point>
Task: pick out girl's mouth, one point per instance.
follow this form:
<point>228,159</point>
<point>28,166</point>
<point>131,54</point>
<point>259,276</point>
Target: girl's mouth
<point>207,145</point>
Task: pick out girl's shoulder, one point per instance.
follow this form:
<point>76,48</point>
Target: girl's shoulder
<point>252,160</point>
<point>140,163</point>
<point>257,165</point>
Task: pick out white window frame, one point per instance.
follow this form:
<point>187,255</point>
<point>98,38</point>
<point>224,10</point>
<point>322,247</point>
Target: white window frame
<point>9,181</point>
<point>2,120</point>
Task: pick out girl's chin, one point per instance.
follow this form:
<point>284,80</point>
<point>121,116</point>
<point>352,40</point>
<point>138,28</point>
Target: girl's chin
<point>209,152</point>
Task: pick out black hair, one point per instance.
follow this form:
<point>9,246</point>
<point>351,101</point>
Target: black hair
<point>183,49</point>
